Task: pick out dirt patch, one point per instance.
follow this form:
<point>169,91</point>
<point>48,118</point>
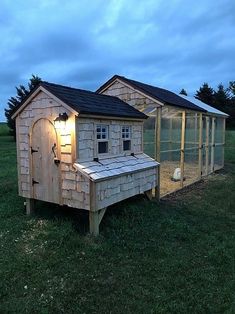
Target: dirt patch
<point>191,176</point>
<point>197,188</point>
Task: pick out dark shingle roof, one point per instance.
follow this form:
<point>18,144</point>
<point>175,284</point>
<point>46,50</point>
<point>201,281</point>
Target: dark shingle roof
<point>92,103</point>
<point>160,94</point>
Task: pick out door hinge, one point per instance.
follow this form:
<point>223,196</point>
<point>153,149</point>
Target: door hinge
<point>34,182</point>
<point>33,150</point>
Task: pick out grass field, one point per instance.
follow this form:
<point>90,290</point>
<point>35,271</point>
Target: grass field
<point>174,257</point>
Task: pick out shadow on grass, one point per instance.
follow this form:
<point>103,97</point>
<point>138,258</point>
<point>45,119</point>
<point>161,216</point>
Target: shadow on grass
<point>79,218</point>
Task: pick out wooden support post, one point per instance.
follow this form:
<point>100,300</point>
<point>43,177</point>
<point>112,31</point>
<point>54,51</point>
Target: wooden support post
<point>30,202</point>
<point>182,150</point>
<point>149,194</point>
<point>170,137</point>
<point>158,148</point>
<point>213,144</point>
<point>158,134</point>
<point>223,140</point>
<point>157,188</point>
<point>207,144</point>
<point>101,213</point>
<point>195,129</point>
<point>95,220</point>
<point>94,223</point>
<point>200,147</point>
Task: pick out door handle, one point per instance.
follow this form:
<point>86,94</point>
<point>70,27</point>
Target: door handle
<point>53,149</point>
<point>56,161</point>
<point>34,182</point>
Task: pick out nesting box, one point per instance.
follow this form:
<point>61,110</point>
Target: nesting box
<point>81,149</point>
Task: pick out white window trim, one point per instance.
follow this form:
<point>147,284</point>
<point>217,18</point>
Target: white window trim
<point>126,138</point>
<point>102,139</point>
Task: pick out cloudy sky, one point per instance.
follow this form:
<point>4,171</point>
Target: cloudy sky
<point>172,44</point>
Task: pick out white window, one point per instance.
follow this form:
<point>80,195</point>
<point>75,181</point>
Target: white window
<point>126,136</point>
<point>102,136</point>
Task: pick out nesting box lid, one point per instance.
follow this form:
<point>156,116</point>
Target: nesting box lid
<point>117,166</point>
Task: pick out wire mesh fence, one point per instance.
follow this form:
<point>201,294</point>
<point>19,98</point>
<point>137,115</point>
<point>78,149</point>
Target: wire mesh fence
<point>185,153</point>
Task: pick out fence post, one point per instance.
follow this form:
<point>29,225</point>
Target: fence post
<point>182,150</point>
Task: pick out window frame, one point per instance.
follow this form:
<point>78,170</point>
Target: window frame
<point>101,139</point>
<point>126,136</point>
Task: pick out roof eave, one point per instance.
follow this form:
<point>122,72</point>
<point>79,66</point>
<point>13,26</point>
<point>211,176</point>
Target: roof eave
<point>110,116</point>
<point>40,88</point>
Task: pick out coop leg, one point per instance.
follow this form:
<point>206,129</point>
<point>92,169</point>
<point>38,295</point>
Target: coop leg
<point>94,223</point>
<point>157,187</point>
<point>29,206</point>
<point>157,193</point>
<point>149,194</point>
<point>95,219</point>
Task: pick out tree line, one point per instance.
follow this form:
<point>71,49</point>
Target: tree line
<point>222,98</point>
<point>21,93</point>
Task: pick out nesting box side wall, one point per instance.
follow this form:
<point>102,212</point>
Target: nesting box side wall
<point>86,144</point>
<point>116,189</point>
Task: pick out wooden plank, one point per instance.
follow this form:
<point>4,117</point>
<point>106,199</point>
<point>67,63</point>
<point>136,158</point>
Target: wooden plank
<point>67,149</point>
<point>149,194</point>
<point>212,144</point>
<point>73,121</point>
<point>30,206</point>
<point>195,128</point>
<point>44,171</point>
<point>170,137</point>
<point>101,213</point>
<point>18,157</point>
<point>142,137</point>
<point>158,148</point>
<point>92,196</point>
<point>158,134</point>
<point>182,149</point>
<point>93,213</point>
<point>207,144</point>
<point>200,148</point>
<point>94,223</point>
<point>223,139</point>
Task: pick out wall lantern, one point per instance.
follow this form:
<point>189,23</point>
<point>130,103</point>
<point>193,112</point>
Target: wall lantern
<point>60,121</point>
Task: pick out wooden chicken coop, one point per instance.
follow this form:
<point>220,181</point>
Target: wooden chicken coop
<point>81,149</point>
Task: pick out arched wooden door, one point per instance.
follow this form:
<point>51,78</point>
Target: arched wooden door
<point>45,172</point>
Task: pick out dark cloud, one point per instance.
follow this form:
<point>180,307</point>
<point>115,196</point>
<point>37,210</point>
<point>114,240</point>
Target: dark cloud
<point>175,45</point>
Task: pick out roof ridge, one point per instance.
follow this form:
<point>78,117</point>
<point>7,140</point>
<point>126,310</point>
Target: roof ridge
<point>161,88</point>
<point>77,89</point>
<point>67,87</point>
<point>163,95</point>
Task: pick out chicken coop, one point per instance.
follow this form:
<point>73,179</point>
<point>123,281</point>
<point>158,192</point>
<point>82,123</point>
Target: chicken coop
<point>183,134</point>
<point>81,149</point>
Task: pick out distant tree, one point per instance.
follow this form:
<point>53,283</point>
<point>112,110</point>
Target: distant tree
<point>221,98</point>
<point>230,108</point>
<point>13,102</point>
<point>205,94</point>
<point>183,92</point>
<point>231,88</point>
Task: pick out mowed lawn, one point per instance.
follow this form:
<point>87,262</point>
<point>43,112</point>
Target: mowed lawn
<point>174,257</point>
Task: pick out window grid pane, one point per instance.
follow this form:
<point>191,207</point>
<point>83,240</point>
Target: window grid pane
<point>126,132</point>
<point>102,132</point>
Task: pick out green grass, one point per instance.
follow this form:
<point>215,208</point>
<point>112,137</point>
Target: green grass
<point>173,257</point>
<point>4,130</point>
